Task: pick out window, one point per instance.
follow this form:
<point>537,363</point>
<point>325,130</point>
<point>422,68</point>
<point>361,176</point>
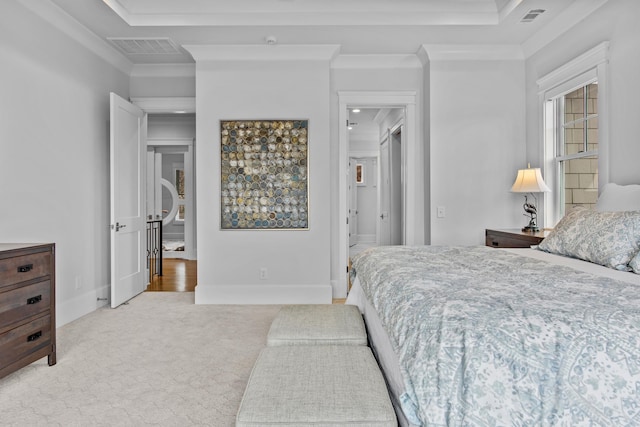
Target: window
<point>577,147</point>
<point>575,144</point>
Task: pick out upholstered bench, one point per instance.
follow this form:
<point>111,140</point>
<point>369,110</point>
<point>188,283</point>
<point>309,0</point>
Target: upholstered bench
<point>318,324</point>
<point>317,385</point>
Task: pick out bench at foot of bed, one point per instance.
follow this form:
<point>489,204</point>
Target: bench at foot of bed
<point>318,325</point>
<point>333,385</point>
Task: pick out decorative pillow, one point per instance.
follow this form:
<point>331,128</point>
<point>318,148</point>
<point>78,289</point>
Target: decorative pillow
<point>616,197</point>
<point>635,263</point>
<point>611,239</point>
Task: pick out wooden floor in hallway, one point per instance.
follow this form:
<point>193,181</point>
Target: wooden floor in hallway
<point>178,275</point>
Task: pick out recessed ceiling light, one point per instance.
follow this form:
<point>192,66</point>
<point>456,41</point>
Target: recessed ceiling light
<point>355,110</point>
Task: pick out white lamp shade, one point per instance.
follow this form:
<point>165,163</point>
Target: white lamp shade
<point>529,181</point>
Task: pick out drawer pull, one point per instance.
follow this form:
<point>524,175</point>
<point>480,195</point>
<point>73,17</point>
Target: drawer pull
<point>494,243</point>
<point>25,268</point>
<point>34,337</point>
<point>34,300</point>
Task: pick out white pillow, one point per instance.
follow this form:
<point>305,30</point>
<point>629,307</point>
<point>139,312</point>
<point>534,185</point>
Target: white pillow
<point>615,198</point>
<point>611,239</point>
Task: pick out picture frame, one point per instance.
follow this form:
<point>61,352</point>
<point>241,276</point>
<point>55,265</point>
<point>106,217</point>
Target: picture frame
<point>264,174</point>
<point>360,174</point>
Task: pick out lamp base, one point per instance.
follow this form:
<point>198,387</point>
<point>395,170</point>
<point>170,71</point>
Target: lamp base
<point>530,229</point>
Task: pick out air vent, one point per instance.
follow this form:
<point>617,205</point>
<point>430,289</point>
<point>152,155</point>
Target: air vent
<point>145,46</point>
<point>532,14</point>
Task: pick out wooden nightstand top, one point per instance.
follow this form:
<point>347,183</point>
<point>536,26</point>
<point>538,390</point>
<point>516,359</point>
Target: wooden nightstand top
<point>514,238</point>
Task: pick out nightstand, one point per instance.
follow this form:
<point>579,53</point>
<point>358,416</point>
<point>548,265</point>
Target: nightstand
<point>514,238</point>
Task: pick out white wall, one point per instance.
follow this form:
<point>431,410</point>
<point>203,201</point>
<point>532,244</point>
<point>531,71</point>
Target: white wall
<point>278,82</point>
<point>617,23</point>
<point>171,126</point>
<point>54,153</point>
<point>477,141</point>
<point>163,80</point>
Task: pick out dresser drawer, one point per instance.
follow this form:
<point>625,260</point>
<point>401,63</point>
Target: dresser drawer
<point>24,340</point>
<point>22,303</point>
<point>22,268</point>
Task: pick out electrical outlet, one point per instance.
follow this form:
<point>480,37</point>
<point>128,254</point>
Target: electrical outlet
<point>264,274</point>
<point>441,212</point>
<point>78,282</point>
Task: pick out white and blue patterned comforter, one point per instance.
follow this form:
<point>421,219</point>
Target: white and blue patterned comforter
<point>489,338</point>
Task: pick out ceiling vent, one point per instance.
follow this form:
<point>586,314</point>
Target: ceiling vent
<point>532,15</point>
<point>145,46</point>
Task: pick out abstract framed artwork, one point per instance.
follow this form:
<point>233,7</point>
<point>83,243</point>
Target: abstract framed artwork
<point>264,174</point>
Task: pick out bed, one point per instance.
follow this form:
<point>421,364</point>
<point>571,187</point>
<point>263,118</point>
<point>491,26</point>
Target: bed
<point>486,337</point>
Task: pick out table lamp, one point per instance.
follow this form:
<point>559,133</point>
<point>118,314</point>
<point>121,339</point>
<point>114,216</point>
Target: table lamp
<point>530,181</point>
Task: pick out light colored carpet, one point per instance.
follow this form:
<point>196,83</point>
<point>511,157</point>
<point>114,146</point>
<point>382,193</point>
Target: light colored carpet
<point>159,360</point>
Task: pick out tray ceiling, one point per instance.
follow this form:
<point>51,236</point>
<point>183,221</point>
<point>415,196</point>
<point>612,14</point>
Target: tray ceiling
<point>357,26</point>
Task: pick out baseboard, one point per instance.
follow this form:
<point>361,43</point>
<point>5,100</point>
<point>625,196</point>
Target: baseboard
<point>75,308</point>
<point>263,294</point>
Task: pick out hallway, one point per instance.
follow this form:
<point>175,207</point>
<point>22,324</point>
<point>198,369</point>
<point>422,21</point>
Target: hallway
<point>179,275</point>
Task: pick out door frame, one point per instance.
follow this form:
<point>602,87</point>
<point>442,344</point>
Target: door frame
<point>395,163</point>
<point>175,105</point>
<point>376,99</point>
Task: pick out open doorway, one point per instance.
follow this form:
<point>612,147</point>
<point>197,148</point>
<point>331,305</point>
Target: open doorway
<point>171,201</point>
<point>376,188</point>
<point>410,213</point>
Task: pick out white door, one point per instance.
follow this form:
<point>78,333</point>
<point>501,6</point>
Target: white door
<point>396,200</point>
<point>353,203</point>
<point>385,195</point>
<point>128,132</point>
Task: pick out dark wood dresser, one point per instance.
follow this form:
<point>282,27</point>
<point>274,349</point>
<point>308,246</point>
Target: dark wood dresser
<point>27,305</point>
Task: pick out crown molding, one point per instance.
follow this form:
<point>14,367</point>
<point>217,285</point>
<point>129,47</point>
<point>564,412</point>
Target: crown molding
<point>268,13</point>
<point>62,21</point>
<point>269,53</point>
<point>570,17</point>
<point>471,52</point>
<point>508,9</point>
<point>376,61</point>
